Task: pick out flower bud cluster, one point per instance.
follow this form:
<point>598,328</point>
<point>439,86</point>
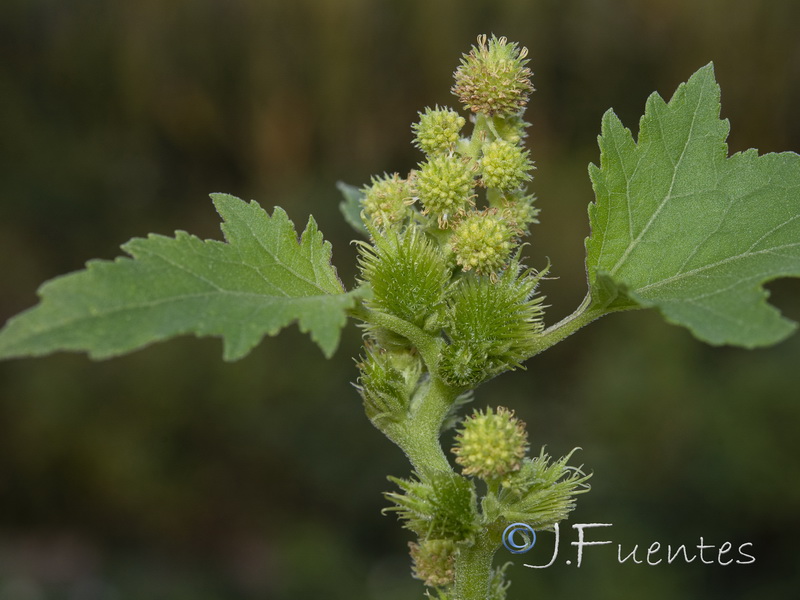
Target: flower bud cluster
<point>447,305</point>
<point>441,258</point>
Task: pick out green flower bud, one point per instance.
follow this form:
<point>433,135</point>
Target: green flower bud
<point>437,130</point>
<point>445,186</point>
<point>511,129</point>
<point>434,561</point>
<point>505,165</point>
<point>519,210</point>
<point>493,78</point>
<point>387,201</point>
<point>483,241</point>
<point>491,445</point>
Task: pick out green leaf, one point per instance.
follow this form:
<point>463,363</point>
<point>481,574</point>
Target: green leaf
<point>351,207</point>
<point>261,280</point>
<point>680,226</point>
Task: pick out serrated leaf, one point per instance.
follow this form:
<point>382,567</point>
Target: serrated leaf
<point>259,281</point>
<point>680,226</point>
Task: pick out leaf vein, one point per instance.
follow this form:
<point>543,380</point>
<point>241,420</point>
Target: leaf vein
<point>667,197</point>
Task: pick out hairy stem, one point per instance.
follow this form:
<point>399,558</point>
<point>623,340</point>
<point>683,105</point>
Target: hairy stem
<point>429,346</point>
<point>420,439</point>
<point>418,436</point>
<point>583,315</point>
<point>474,570</point>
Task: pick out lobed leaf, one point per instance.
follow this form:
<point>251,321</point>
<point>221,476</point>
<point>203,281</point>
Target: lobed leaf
<point>259,281</point>
<point>680,226</point>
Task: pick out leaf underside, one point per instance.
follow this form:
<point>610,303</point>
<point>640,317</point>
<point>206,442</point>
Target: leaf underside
<point>259,281</point>
<point>680,226</point>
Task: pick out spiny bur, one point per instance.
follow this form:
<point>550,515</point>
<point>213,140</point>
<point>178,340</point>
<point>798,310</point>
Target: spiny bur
<point>442,505</point>
<point>408,276</point>
<point>542,492</point>
<point>387,382</point>
<point>490,324</point>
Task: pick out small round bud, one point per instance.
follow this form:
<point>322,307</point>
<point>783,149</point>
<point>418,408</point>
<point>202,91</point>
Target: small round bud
<point>434,562</point>
<point>519,209</point>
<point>491,445</point>
<point>511,129</point>
<point>437,130</point>
<point>483,241</point>
<point>445,186</point>
<point>505,165</point>
<point>493,78</point>
<point>387,200</point>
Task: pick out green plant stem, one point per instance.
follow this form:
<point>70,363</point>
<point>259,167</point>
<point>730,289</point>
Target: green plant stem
<point>474,569</point>
<point>482,129</point>
<point>428,346</point>
<point>583,315</point>
<point>420,434</point>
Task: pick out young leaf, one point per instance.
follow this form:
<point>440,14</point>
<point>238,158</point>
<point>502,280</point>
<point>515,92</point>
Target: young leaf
<point>680,226</point>
<point>261,280</point>
<point>351,207</point>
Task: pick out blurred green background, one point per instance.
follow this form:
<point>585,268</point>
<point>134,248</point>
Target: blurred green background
<point>168,474</point>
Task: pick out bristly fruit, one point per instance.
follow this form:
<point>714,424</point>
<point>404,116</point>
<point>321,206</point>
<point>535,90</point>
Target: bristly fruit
<point>408,275</point>
<point>441,506</point>
<point>541,493</point>
<point>490,325</point>
<point>388,380</point>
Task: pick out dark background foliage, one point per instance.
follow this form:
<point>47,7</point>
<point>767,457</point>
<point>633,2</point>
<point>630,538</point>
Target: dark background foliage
<point>169,474</point>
